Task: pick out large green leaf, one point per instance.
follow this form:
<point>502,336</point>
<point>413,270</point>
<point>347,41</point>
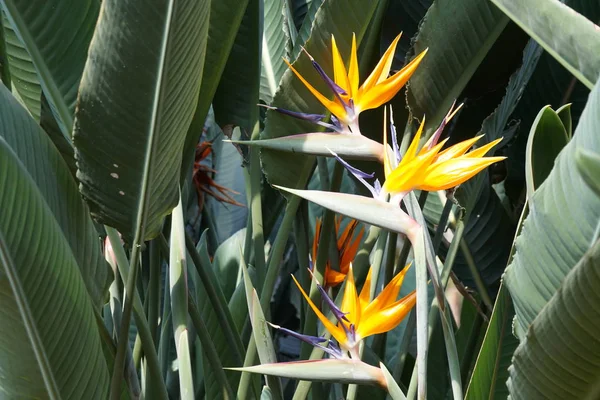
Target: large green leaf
<point>340,18</point>
<point>568,36</point>
<point>491,369</point>
<point>458,34</point>
<point>22,71</point>
<point>274,43</point>
<point>56,35</point>
<point>59,189</point>
<point>237,94</point>
<point>137,99</point>
<point>224,21</point>
<point>563,214</point>
<point>557,359</point>
<point>46,289</point>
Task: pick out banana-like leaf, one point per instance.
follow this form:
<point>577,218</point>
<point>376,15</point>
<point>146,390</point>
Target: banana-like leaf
<point>563,214</point>
<point>304,30</point>
<point>491,368</point>
<point>41,284</point>
<point>137,99</point>
<point>237,94</point>
<point>350,147</point>
<point>340,18</point>
<point>568,36</point>
<point>59,189</point>
<point>224,22</point>
<point>274,43</point>
<point>56,35</point>
<point>23,75</point>
<point>327,370</point>
<point>227,261</point>
<point>546,139</point>
<point>557,359</point>
<point>458,34</point>
<point>588,164</point>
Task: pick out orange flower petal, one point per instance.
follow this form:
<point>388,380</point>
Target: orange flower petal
<point>452,173</point>
<point>387,319</point>
<point>482,151</point>
<point>382,70</point>
<point>365,293</point>
<point>350,302</point>
<point>353,74</point>
<point>334,107</point>
<point>340,75</point>
<point>457,150</point>
<point>387,296</point>
<point>337,332</point>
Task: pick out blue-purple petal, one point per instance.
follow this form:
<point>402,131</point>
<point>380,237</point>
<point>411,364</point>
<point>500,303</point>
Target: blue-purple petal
<point>339,314</point>
<point>358,174</point>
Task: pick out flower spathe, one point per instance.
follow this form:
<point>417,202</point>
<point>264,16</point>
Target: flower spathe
<point>350,99</point>
<point>347,246</point>
<point>358,317</point>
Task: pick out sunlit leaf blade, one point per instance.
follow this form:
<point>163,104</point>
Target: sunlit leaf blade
<point>337,17</point>
<point>556,234</point>
<point>546,139</point>
<point>319,144</point>
<point>458,34</point>
<point>491,369</point>
<point>365,209</point>
<point>56,35</point>
<point>273,48</point>
<point>53,292</point>
<point>135,105</point>
<point>328,370</point>
<point>568,36</point>
<point>557,359</point>
<point>59,190</point>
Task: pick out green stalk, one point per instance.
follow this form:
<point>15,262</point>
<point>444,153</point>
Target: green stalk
<point>209,349</point>
<point>154,291</point>
<point>258,238</point>
<point>327,229</point>
<point>217,298</point>
<point>404,344</point>
<point>140,319</point>
<point>361,261</point>
<point>179,302</point>
<point>277,252</point>
<point>433,318</point>
<point>302,251</point>
<point>481,288</point>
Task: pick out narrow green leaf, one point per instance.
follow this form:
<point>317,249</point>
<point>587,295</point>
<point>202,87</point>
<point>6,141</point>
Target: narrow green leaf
<point>41,283</point>
<point>488,380</point>
<point>568,36</point>
<point>56,35</point>
<point>458,34</point>
<point>564,113</point>
<point>150,94</point>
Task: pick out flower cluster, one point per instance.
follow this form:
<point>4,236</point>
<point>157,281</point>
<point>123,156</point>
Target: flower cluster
<point>423,166</point>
